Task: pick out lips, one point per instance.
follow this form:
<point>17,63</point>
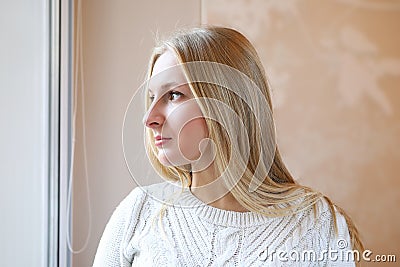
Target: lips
<point>160,141</point>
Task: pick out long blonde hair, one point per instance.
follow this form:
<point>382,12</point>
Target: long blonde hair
<point>276,186</point>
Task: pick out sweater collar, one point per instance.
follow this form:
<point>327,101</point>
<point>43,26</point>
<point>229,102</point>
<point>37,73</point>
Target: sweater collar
<point>218,216</point>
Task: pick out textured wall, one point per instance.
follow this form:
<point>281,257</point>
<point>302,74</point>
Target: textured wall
<point>335,71</point>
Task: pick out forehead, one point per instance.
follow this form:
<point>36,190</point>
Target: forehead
<point>164,62</point>
<point>166,70</point>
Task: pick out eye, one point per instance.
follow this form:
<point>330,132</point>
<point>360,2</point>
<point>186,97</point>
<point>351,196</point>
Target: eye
<point>174,95</point>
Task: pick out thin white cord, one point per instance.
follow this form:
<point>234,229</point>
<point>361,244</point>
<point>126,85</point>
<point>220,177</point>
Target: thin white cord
<point>78,66</point>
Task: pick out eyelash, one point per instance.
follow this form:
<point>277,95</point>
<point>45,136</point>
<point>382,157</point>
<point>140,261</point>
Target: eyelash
<point>170,95</point>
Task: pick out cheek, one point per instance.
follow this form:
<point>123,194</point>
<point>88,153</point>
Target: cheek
<point>188,126</point>
<point>190,137</point>
<point>185,149</point>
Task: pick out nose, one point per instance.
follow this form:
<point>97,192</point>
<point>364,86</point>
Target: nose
<point>153,117</point>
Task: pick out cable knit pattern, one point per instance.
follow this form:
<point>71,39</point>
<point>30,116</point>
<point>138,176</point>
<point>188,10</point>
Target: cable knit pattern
<point>191,233</point>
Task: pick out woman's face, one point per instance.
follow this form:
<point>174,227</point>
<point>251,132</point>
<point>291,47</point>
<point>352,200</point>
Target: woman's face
<point>174,116</point>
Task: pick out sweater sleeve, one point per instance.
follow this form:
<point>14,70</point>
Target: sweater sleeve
<point>110,249</point>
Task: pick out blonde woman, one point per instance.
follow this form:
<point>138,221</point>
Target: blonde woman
<point>228,199</point>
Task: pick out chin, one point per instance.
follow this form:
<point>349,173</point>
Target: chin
<point>168,161</point>
<point>164,161</point>
<point>173,160</point>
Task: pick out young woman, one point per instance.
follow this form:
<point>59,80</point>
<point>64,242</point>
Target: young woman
<point>229,199</point>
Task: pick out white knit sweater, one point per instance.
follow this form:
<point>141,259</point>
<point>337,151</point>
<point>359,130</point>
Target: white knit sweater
<point>191,233</point>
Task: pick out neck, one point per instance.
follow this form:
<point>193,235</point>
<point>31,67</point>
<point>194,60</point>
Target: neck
<point>210,189</point>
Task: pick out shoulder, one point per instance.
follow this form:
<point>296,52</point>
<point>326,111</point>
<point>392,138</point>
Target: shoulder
<point>327,213</point>
<point>318,224</point>
<point>129,217</point>
<point>134,203</point>
<point>326,228</point>
<point>337,238</point>
<point>149,196</point>
<point>159,191</point>
<point>314,235</point>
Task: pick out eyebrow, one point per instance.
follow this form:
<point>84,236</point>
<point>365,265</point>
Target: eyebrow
<point>165,85</point>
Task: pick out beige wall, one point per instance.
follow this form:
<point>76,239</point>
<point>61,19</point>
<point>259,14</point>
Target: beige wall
<point>118,37</point>
<point>335,73</point>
